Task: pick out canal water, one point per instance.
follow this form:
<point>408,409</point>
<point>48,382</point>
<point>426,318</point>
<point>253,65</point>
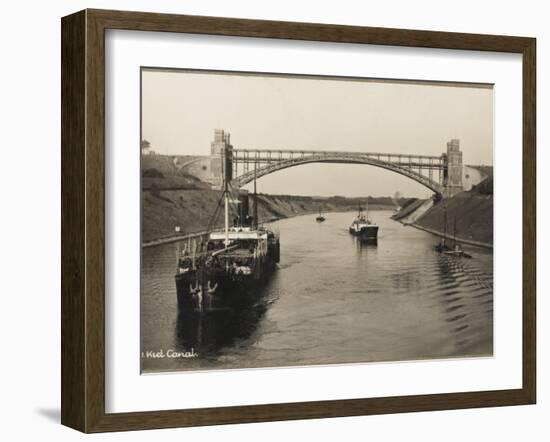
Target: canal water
<point>331,300</point>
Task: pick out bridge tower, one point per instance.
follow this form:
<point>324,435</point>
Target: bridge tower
<point>220,150</point>
<point>453,173</point>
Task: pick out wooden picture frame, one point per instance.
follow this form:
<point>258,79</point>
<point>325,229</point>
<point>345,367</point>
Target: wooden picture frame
<point>83,220</point>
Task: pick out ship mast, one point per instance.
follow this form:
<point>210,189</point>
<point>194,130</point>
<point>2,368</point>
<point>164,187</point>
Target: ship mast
<point>226,196</point>
<point>444,222</point>
<point>255,214</point>
<point>454,233</point>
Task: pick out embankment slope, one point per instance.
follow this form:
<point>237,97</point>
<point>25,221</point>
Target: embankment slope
<point>192,209</point>
<point>471,212</point>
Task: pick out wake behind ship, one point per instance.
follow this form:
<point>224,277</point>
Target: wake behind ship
<point>229,269</point>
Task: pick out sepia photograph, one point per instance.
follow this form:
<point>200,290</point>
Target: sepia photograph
<point>299,220</point>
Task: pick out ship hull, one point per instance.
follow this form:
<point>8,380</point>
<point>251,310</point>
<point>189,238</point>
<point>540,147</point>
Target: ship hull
<point>217,289</point>
<point>185,284</point>
<point>367,234</point>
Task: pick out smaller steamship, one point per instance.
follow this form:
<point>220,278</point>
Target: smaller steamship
<point>363,228</point>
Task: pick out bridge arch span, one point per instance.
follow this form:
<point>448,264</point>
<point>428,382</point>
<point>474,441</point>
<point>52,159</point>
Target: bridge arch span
<point>269,168</point>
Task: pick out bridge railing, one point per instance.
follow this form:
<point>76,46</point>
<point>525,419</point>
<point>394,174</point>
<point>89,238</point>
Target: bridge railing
<point>256,156</point>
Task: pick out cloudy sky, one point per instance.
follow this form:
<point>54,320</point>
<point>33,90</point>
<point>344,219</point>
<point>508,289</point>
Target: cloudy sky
<point>181,109</point>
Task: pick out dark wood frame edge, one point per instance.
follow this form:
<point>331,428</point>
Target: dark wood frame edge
<point>83,215</point>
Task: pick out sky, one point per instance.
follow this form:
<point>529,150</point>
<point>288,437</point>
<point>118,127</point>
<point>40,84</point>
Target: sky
<point>181,109</point>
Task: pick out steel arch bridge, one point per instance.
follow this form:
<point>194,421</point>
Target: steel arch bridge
<point>246,165</point>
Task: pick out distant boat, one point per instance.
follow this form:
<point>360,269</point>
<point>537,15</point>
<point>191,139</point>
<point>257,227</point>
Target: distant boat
<point>443,247</point>
<point>320,218</point>
<point>363,228</point>
<point>457,251</point>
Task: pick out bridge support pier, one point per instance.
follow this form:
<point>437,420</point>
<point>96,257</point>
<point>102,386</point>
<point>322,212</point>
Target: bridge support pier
<point>452,181</point>
<point>221,158</point>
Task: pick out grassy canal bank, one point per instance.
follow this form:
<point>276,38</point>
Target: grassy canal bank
<point>472,211</point>
<point>192,209</point>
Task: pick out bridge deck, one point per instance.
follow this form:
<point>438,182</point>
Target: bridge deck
<point>259,157</point>
<point>275,155</point>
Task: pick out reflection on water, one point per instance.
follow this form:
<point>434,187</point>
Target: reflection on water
<point>207,333</point>
<point>333,299</point>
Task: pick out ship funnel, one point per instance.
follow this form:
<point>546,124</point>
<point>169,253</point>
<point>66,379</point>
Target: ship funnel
<point>243,207</point>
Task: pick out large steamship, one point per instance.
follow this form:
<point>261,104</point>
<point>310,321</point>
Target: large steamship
<point>229,267</point>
